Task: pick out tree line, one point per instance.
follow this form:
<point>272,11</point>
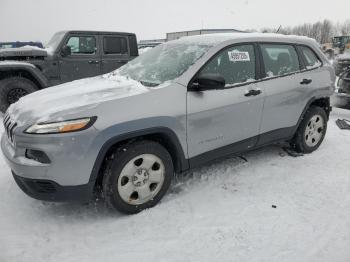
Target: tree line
<point>322,31</point>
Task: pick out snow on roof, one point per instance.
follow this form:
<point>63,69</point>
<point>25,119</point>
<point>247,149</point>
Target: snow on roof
<point>214,39</point>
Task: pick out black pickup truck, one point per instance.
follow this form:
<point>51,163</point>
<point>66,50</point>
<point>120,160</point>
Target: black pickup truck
<point>68,56</point>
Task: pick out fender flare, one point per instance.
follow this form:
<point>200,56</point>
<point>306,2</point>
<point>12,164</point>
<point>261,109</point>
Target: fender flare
<point>181,164</point>
<point>307,106</point>
<point>8,66</point>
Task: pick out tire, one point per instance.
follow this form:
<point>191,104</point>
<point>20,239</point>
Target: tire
<point>13,88</point>
<point>311,130</point>
<point>137,177</point>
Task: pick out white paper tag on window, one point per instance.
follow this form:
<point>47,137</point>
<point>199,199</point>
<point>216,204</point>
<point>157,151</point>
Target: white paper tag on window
<point>236,56</point>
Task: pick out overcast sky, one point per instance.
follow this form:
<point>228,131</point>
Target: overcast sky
<point>39,19</point>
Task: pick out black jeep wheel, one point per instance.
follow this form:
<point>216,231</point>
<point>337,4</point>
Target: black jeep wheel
<point>12,89</point>
<point>137,177</point>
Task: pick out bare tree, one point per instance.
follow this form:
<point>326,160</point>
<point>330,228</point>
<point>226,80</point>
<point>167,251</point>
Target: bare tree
<point>345,28</point>
<point>328,30</point>
<point>322,31</point>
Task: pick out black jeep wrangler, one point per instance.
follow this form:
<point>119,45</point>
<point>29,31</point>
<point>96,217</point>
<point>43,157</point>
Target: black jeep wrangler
<point>68,56</point>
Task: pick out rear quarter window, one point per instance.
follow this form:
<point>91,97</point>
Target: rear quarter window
<point>115,45</point>
<point>279,59</point>
<point>310,59</point>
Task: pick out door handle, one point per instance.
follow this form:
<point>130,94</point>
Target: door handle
<point>306,81</point>
<point>253,92</point>
<point>94,62</point>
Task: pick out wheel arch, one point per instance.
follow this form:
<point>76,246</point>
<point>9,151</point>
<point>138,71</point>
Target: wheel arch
<point>163,135</point>
<point>29,72</point>
<point>323,102</point>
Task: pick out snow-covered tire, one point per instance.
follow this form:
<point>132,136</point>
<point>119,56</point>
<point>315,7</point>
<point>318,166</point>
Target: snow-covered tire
<point>311,130</point>
<point>137,176</point>
<point>11,89</point>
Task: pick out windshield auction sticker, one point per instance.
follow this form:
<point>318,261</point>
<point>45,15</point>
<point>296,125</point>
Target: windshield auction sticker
<point>237,56</point>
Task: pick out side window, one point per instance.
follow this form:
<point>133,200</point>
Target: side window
<point>82,44</point>
<point>236,64</point>
<point>279,59</point>
<point>115,45</point>
<point>311,60</point>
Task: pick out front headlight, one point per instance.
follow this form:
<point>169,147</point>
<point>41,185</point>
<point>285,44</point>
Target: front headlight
<point>61,127</point>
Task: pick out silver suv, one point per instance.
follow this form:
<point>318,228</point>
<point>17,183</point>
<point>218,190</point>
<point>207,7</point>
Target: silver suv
<point>178,106</point>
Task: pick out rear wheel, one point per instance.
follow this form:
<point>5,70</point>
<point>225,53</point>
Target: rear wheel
<point>137,177</point>
<point>311,130</point>
<point>12,89</point>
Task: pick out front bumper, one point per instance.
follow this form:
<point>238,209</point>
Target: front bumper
<point>51,191</point>
<point>66,177</point>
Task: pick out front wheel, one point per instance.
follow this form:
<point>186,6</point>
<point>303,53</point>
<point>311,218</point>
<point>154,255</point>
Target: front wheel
<point>12,89</point>
<point>137,176</point>
<point>311,130</point>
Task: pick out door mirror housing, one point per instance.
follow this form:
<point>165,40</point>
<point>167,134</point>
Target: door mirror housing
<point>66,51</point>
<point>208,81</point>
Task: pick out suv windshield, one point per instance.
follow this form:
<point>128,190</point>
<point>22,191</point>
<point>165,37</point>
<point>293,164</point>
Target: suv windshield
<point>163,63</point>
<point>55,40</point>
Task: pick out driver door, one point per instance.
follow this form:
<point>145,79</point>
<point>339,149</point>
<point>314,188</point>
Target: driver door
<point>84,60</point>
<point>221,122</point>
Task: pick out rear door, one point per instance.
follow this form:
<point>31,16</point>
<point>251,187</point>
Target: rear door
<point>285,98</point>
<point>220,122</point>
<point>84,61</point>
<point>115,52</point>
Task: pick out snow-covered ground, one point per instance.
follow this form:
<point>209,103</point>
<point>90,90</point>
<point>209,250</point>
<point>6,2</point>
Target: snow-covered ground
<point>221,212</point>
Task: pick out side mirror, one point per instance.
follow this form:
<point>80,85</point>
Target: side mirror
<point>208,81</point>
<point>66,51</point>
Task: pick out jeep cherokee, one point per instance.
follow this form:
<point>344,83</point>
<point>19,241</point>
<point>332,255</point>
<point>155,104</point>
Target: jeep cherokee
<point>178,106</point>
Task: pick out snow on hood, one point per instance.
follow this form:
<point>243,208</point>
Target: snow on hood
<point>13,62</point>
<point>23,51</point>
<point>53,103</point>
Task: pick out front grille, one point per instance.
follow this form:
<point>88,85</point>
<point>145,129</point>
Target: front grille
<point>9,126</point>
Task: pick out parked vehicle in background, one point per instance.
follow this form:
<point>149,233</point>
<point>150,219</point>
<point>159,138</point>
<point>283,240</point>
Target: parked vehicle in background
<point>146,45</point>
<point>178,106</point>
<point>341,97</point>
<point>342,62</point>
<point>4,45</point>
<point>339,45</point>
<point>69,55</point>
<point>150,43</point>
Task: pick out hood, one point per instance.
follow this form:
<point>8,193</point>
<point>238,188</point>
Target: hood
<point>71,99</point>
<point>26,51</point>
